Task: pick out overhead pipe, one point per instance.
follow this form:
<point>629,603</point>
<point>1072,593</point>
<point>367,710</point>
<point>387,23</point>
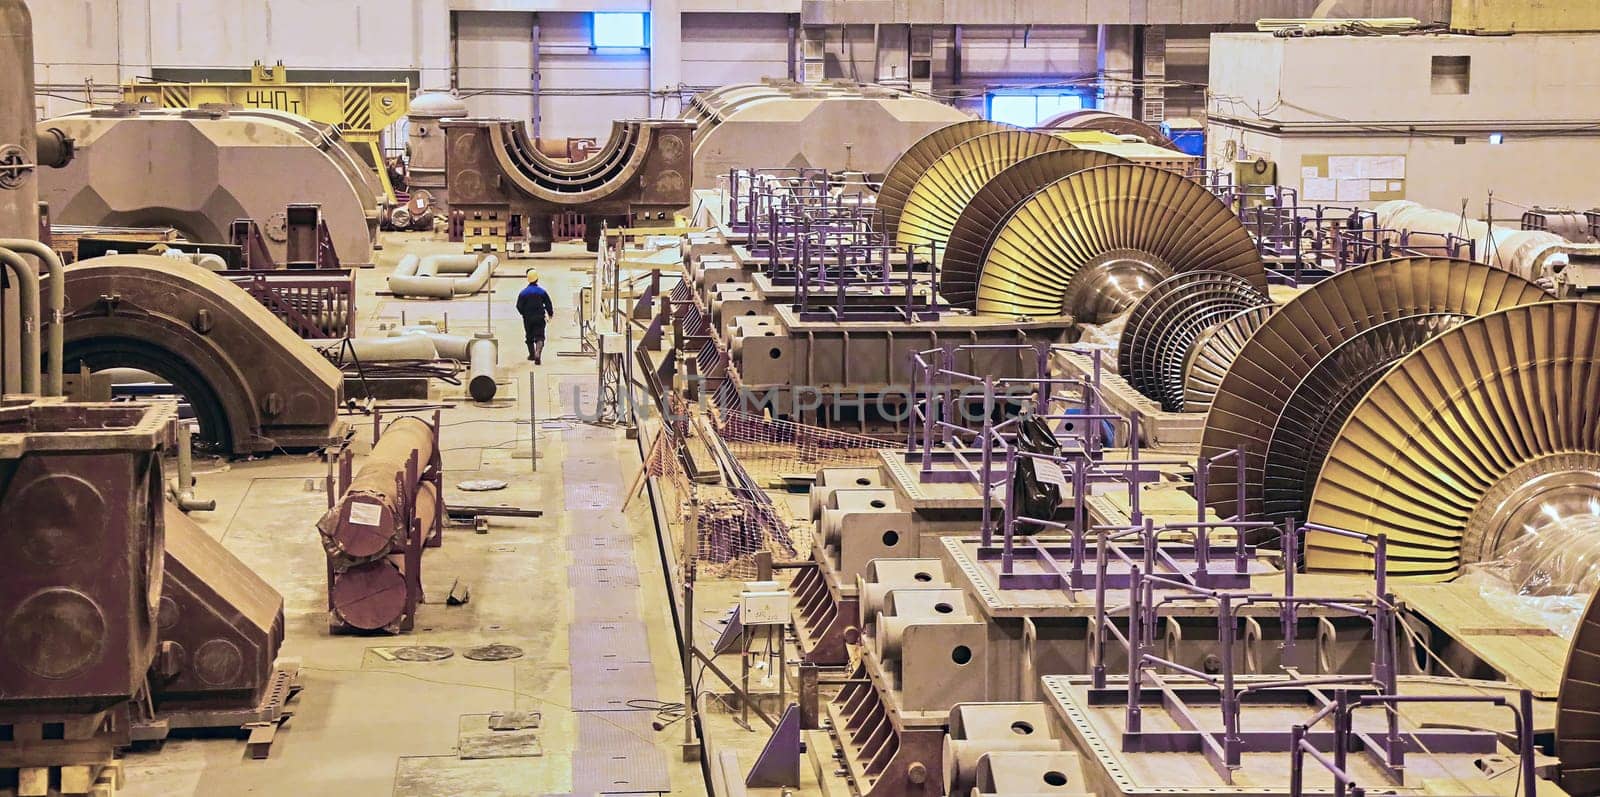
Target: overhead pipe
<point>54,384</point>
<point>28,302</point>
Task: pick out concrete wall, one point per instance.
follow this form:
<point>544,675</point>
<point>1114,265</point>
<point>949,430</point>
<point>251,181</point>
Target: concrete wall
<point>86,47</point>
<point>109,41</point>
<point>1296,101</point>
<point>1106,12</point>
<point>723,48</point>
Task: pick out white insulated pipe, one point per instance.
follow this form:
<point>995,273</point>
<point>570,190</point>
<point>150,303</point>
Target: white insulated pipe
<point>1527,253</point>
<point>55,340</point>
<point>441,276</point>
<point>28,302</point>
<point>483,354</point>
<point>399,347</point>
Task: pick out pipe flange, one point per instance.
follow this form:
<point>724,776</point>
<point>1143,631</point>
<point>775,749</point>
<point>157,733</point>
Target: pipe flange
<point>14,167</point>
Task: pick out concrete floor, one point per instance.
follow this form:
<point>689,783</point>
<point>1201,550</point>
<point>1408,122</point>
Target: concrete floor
<point>368,725</point>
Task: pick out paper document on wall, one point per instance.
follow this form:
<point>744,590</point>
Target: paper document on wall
<point>1367,167</point>
<point>1354,190</point>
<point>1386,167</point>
<point>1345,167</point>
<point>1319,189</point>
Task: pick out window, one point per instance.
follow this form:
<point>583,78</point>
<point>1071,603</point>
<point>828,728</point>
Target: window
<point>1029,108</point>
<point>1452,74</point>
<point>619,29</point>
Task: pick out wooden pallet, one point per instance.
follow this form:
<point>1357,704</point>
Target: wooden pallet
<point>71,757</point>
<point>95,780</point>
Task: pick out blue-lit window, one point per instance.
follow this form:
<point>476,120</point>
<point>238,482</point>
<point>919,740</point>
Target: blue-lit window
<point>625,29</point>
<point>1029,108</point>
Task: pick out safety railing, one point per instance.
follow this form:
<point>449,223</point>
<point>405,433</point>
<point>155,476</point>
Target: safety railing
<point>944,429</point>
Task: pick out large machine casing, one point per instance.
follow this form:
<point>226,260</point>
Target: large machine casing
<point>640,177</point>
<point>82,538</point>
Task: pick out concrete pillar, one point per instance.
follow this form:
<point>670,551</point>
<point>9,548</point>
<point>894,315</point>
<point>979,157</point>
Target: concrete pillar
<point>1115,63</point>
<point>430,43</point>
<point>666,57</point>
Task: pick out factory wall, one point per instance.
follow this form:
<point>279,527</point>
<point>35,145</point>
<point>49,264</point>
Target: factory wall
<point>724,48</point>
<point>1436,102</point>
<point>86,47</point>
<point>103,42</point>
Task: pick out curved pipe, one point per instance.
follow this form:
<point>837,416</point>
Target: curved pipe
<point>55,340</point>
<point>427,276</point>
<point>28,282</point>
<point>480,353</point>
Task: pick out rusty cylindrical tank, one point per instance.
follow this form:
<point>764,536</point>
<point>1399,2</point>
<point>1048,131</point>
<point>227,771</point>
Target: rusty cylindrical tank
<point>376,595</point>
<point>364,524</point>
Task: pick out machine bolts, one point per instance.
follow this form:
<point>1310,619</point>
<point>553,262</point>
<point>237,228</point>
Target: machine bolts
<point>917,773</point>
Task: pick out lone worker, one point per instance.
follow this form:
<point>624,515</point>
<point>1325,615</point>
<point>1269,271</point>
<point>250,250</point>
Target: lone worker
<point>534,305</point>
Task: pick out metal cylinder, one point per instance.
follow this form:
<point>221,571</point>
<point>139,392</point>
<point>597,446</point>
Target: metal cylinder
<point>364,523</point>
<point>1523,252</point>
<point>832,526</point>
<point>387,462</point>
<point>370,596</point>
<point>425,141</point>
<point>961,757</point>
<point>427,504</point>
<point>55,148</point>
<point>398,347</point>
<point>482,355</point>
<point>373,595</point>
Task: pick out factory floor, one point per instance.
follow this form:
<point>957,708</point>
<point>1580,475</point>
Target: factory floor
<point>370,723</point>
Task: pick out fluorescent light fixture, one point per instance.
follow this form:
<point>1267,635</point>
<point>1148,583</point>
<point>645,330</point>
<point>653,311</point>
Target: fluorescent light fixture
<point>1497,138</point>
<point>619,29</point>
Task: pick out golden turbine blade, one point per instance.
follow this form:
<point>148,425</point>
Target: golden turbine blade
<point>1273,365</point>
<point>1487,432</point>
<point>1090,244</point>
<point>1166,323</point>
<point>974,232</point>
<point>898,181</point>
<point>943,191</point>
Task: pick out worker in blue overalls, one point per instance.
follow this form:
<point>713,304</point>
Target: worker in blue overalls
<point>533,303</point>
